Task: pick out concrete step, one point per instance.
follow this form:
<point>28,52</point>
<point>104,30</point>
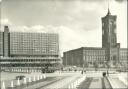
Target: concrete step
<point>116,83</point>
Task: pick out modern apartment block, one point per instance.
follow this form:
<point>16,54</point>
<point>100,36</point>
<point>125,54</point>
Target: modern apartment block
<point>34,44</point>
<point>29,50</point>
<point>109,55</point>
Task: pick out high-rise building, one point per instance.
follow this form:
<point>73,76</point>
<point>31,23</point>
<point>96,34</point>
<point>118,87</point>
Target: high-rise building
<point>6,42</point>
<point>34,44</point>
<point>29,50</point>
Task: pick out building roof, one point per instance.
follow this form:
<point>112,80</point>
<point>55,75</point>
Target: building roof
<point>88,48</point>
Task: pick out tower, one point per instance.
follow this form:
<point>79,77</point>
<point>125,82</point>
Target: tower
<point>109,39</point>
<point>6,42</point>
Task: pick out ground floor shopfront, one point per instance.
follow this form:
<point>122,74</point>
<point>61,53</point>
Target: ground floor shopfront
<point>30,64</point>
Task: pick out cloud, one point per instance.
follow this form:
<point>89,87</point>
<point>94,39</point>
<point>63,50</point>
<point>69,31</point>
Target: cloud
<point>73,13</point>
<point>77,21</point>
<point>69,38</point>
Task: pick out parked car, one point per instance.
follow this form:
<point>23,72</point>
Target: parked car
<point>20,77</point>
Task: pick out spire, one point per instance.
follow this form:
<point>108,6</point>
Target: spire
<point>108,9</point>
<point>108,12</point>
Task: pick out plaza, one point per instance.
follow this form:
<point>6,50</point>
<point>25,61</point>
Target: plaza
<point>68,80</point>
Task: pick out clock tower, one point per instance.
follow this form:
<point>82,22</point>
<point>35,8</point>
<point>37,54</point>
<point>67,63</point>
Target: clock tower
<point>109,39</point>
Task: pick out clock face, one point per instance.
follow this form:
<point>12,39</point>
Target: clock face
<point>112,22</point>
<point>112,25</point>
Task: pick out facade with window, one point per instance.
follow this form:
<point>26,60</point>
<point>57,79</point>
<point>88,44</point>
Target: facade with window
<point>34,44</point>
<point>85,56</point>
<point>123,57</point>
<point>29,50</point>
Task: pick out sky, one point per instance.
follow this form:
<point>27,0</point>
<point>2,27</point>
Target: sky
<point>78,22</point>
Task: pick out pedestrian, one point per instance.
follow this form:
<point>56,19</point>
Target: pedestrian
<point>85,71</point>
<point>82,72</point>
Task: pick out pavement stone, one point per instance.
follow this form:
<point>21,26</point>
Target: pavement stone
<point>96,83</point>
